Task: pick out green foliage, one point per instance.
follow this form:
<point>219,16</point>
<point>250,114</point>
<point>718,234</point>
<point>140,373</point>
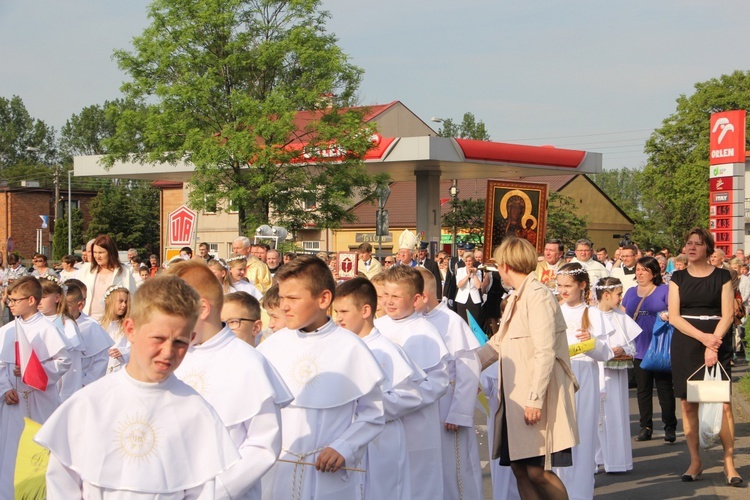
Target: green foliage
<point>129,213</point>
<point>468,217</point>
<point>563,221</point>
<point>84,133</point>
<point>218,83</point>
<point>60,236</point>
<point>469,128</point>
<point>19,132</point>
<point>674,182</point>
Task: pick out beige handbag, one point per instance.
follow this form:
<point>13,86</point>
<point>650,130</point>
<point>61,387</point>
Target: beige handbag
<point>712,389</point>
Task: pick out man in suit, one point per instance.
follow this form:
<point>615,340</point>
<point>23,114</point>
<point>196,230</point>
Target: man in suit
<point>425,261</point>
<point>368,265</point>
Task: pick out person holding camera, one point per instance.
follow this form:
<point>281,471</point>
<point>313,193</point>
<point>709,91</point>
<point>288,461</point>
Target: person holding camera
<point>469,288</point>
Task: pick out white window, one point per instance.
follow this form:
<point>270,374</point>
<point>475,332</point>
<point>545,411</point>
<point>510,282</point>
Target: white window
<point>210,207</point>
<point>311,245</point>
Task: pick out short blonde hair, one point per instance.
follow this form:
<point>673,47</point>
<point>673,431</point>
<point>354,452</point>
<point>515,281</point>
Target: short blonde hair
<point>167,294</point>
<point>406,276</point>
<point>198,275</point>
<point>429,279</point>
<point>518,254</point>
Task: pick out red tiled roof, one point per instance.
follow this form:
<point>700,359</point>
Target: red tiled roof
<point>304,118</point>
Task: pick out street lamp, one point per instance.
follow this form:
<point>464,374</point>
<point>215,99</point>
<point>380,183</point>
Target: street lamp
<point>383,191</point>
<point>454,198</point>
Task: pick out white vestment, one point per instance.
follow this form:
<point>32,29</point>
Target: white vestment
<point>51,347</point>
<point>72,380</point>
<point>338,403</point>
<point>96,343</point>
<point>247,393</point>
<point>427,349</point>
<point>120,438</point>
<point>614,427</point>
<point>387,462</point>
<point>462,472</point>
<point>579,478</point>
<point>504,486</point>
<point>246,286</point>
<point>121,343</point>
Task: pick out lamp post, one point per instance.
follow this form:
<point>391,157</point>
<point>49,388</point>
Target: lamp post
<point>454,198</point>
<point>381,217</point>
<point>70,217</point>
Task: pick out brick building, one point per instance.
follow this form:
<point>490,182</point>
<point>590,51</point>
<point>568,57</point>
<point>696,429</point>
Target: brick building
<point>20,208</point>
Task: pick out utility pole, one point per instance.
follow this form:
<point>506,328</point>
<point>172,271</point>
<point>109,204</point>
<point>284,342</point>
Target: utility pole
<point>57,194</point>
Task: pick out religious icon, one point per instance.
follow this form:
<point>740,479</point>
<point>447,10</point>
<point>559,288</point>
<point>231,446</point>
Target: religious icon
<point>347,265</point>
<point>515,209</point>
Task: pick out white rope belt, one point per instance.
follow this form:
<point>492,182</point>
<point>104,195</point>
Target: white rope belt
<point>703,318</point>
<point>297,482</point>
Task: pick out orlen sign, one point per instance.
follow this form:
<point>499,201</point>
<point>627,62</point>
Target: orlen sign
<point>727,137</point>
<point>182,223</point>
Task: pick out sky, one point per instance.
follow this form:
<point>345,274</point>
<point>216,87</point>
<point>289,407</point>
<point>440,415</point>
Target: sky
<point>583,74</point>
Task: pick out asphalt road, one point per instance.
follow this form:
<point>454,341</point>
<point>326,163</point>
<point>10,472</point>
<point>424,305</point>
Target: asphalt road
<point>657,465</point>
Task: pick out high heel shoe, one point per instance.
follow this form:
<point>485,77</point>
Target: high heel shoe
<point>733,481</point>
<point>688,478</point>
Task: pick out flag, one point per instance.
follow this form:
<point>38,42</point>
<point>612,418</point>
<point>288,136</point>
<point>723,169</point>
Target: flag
<point>476,330</point>
<point>32,371</point>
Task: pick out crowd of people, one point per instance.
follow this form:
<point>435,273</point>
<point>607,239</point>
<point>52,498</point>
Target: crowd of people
<point>268,375</point>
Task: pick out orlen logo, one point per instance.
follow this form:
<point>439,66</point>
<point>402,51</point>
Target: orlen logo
<point>727,137</point>
<point>724,126</point>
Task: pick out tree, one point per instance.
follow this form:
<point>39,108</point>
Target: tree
<point>468,216</point>
<point>60,236</point>
<point>563,221</point>
<point>23,139</point>
<point>129,213</point>
<point>219,83</point>
<point>675,178</point>
<point>469,128</point>
<point>85,133</point>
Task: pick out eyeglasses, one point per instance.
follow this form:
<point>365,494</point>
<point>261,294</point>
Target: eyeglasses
<point>236,323</point>
<point>13,302</point>
<point>37,260</point>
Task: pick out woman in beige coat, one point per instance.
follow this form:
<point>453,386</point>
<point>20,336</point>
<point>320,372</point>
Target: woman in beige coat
<point>535,427</point>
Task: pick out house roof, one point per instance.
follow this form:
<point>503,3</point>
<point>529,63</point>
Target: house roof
<point>305,118</point>
<point>401,205</point>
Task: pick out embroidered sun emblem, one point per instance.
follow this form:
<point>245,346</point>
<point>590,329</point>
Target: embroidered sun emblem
<point>197,380</point>
<point>137,438</point>
<point>305,370</point>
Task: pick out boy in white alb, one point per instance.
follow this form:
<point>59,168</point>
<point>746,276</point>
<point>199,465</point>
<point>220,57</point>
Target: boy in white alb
<point>238,382</point>
<point>336,383</point>
<point>24,391</point>
<point>425,346</point>
<point>462,472</point>
<point>140,433</point>
<point>386,462</point>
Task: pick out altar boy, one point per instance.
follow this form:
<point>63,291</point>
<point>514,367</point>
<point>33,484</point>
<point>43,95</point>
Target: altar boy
<point>140,432</point>
<point>336,383</point>
<point>386,462</point>
<point>28,388</point>
<point>406,327</point>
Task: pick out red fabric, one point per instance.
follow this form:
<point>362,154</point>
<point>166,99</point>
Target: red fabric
<point>32,371</point>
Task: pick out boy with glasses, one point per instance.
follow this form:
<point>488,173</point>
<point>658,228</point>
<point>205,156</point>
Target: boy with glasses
<point>241,313</point>
<point>33,357</point>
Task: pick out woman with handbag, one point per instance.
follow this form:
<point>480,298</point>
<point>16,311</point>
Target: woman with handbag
<point>701,309</point>
<point>644,303</point>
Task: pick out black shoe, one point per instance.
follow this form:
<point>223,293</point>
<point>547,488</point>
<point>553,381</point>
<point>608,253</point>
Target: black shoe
<point>670,436</point>
<point>644,435</point>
